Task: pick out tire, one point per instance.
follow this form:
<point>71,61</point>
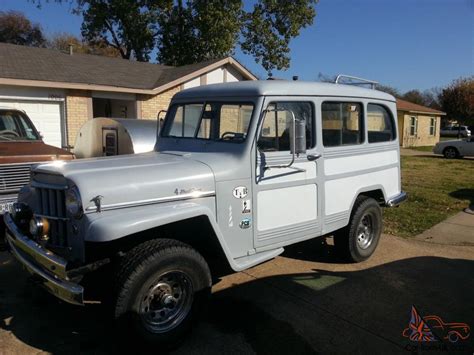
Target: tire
<point>453,337</point>
<point>358,240</point>
<point>161,287</point>
<point>450,153</point>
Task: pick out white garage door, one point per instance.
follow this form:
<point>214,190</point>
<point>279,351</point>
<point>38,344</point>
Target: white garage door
<point>45,115</point>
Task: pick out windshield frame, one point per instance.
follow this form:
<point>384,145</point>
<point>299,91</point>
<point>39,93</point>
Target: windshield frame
<point>170,115</point>
<point>28,122</point>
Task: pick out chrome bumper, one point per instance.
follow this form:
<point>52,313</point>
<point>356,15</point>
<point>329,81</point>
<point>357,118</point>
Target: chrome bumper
<point>49,268</point>
<point>396,200</point>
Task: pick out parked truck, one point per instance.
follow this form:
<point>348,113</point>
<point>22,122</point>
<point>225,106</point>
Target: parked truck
<point>240,170</point>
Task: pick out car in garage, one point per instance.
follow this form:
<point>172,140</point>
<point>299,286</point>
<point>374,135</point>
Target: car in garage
<point>21,146</point>
<point>455,148</point>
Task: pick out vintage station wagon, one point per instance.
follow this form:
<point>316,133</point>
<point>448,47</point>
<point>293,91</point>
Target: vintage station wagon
<point>240,170</point>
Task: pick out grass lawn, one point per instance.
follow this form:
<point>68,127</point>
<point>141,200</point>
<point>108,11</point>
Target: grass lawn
<point>437,188</point>
<point>428,148</point>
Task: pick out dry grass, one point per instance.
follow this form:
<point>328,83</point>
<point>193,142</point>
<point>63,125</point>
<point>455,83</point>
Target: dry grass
<point>437,189</point>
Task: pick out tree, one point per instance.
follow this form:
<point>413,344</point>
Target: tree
<point>63,41</point>
<point>15,28</point>
<point>200,31</point>
<point>388,89</point>
<point>269,28</point>
<point>126,25</point>
<point>414,96</point>
<point>457,100</point>
<point>186,32</point>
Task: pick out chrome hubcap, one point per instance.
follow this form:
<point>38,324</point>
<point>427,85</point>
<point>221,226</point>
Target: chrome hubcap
<point>365,232</point>
<point>166,302</point>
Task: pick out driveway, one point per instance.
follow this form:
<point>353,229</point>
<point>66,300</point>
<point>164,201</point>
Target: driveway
<point>305,301</point>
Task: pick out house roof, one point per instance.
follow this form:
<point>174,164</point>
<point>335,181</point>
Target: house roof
<point>404,105</point>
<point>41,65</point>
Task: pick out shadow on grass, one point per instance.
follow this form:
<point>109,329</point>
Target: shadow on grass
<point>464,194</point>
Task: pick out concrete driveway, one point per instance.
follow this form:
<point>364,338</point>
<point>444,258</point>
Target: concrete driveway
<point>303,302</point>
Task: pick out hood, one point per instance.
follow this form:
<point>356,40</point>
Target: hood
<point>30,152</point>
<point>134,179</point>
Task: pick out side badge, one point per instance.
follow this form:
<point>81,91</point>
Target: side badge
<point>245,223</point>
<point>240,192</point>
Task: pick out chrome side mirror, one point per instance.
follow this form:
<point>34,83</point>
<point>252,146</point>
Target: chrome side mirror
<point>298,137</point>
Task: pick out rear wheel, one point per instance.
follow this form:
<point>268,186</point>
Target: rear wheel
<point>358,240</point>
<point>450,153</point>
<point>161,287</point>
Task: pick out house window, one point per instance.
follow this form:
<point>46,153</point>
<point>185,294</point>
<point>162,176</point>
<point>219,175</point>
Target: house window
<point>432,126</point>
<point>413,126</point>
<point>380,125</point>
<point>342,123</point>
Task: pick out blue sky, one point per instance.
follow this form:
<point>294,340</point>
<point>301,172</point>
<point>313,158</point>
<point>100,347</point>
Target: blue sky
<point>408,44</point>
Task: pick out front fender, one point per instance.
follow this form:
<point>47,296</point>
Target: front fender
<point>115,224</point>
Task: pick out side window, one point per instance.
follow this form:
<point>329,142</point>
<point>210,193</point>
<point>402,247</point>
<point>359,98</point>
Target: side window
<point>342,123</point>
<point>432,126</point>
<point>275,133</point>
<point>380,125</point>
<point>413,126</point>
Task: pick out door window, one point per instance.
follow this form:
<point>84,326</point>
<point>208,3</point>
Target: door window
<point>275,132</point>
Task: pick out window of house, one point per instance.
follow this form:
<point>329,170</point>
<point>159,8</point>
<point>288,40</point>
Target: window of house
<point>413,126</point>
<point>432,126</point>
<point>342,123</point>
<point>380,125</point>
<point>275,132</point>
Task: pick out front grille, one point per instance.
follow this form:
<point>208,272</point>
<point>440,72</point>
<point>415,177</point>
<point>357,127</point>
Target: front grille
<point>52,205</point>
<point>13,177</point>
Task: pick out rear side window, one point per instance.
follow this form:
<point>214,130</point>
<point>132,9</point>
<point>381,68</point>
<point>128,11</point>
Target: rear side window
<point>380,125</point>
<point>342,123</point>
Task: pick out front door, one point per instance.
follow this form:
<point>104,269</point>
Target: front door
<point>286,200</point>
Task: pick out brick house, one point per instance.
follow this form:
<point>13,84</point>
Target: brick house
<point>417,125</point>
<point>61,91</point>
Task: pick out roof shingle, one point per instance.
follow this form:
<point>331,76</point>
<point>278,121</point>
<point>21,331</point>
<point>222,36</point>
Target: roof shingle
<point>404,105</point>
<point>30,63</point>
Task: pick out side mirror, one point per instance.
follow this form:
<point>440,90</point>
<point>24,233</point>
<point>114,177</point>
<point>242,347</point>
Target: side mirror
<point>298,137</point>
<point>160,122</point>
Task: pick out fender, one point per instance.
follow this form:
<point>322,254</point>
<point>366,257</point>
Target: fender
<point>111,225</point>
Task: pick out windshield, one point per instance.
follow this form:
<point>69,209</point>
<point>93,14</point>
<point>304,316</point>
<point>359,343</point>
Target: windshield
<point>14,126</point>
<point>215,121</point>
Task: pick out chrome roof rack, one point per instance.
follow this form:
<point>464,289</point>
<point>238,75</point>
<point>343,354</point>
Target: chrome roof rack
<point>355,81</point>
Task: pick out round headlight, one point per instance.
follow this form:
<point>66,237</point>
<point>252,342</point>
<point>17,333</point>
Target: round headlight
<point>39,227</point>
<point>73,202</point>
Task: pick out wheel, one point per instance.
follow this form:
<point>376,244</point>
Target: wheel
<point>358,240</point>
<point>453,337</point>
<point>450,153</point>
<point>162,286</point>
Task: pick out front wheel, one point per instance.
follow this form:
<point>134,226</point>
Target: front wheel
<point>358,241</point>
<point>450,153</point>
<point>161,287</point>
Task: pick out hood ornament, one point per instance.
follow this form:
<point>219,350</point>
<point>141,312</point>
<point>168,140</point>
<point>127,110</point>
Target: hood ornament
<point>97,202</point>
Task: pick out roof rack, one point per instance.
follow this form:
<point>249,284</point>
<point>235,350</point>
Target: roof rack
<point>361,81</point>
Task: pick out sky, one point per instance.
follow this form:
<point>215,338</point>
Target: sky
<point>407,44</point>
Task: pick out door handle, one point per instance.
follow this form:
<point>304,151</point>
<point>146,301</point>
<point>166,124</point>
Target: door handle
<point>313,157</point>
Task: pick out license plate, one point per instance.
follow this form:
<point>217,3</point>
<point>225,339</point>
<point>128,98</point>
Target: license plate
<point>6,206</point>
